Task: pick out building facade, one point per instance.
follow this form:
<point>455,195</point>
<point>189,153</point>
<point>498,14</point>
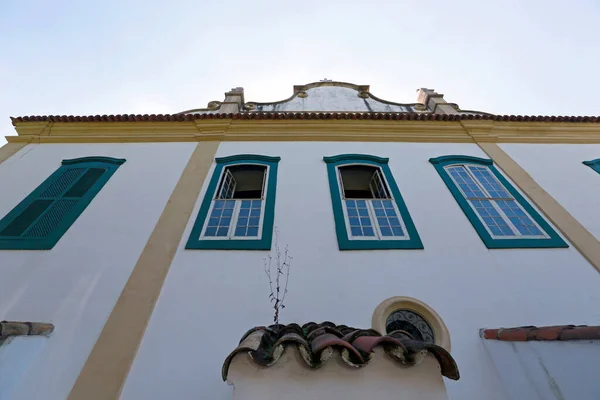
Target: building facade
<point>141,240</point>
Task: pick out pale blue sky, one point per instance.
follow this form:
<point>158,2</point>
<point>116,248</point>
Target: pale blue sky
<point>115,57</point>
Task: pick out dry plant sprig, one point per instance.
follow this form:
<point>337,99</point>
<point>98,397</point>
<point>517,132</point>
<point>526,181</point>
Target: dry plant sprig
<point>283,262</point>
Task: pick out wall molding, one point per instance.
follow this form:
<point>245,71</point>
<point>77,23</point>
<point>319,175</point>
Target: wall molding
<point>228,129</point>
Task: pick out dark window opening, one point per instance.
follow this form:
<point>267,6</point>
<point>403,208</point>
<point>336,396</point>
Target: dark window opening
<point>242,182</point>
<point>363,182</point>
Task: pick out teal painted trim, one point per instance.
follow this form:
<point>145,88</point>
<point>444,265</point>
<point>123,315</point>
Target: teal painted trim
<point>264,243</point>
<point>107,160</point>
<point>247,157</point>
<point>594,164</point>
<point>48,242</point>
<point>344,242</point>
<point>554,240</point>
<point>355,157</point>
<point>458,159</point>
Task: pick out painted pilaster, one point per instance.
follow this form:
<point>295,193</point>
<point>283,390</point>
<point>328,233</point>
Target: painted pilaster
<point>108,364</point>
<point>10,149</point>
<point>573,230</point>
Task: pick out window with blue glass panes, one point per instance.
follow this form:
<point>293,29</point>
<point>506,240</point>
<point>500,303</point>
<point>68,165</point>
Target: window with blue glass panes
<point>499,211</point>
<point>369,209</point>
<point>237,209</point>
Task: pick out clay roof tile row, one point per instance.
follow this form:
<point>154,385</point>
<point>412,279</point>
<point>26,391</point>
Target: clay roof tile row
<point>302,116</point>
<point>265,345</point>
<point>528,333</point>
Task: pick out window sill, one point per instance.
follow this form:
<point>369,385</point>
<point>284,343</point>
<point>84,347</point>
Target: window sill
<point>229,245</point>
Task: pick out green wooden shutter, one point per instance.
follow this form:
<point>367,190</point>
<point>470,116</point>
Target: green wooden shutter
<point>39,221</point>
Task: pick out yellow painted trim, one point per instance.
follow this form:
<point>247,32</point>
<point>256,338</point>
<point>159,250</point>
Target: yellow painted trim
<point>10,149</point>
<point>464,131</point>
<point>246,130</point>
<point>577,234</point>
<point>108,364</point>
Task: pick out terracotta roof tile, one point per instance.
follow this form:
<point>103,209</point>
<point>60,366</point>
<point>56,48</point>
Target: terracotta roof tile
<point>548,333</point>
<point>316,343</point>
<point>302,116</point>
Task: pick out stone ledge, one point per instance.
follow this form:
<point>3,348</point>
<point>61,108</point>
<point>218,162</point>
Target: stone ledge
<point>14,328</point>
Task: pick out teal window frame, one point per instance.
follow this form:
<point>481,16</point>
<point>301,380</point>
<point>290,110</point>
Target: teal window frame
<point>47,242</point>
<point>196,242</point>
<point>593,164</point>
<point>343,236</point>
<point>552,241</point>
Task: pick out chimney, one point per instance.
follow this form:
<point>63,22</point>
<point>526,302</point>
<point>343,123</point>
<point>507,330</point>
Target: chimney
<point>234,101</point>
<point>435,102</point>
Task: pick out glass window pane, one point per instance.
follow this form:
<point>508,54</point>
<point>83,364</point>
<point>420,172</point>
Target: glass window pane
<point>244,212</point>
<point>354,222</point>
<point>356,231</point>
<point>489,182</point>
<point>491,218</point>
<point>519,219</point>
<point>394,221</point>
<point>465,182</point>
<point>253,221</point>
<point>222,231</point>
<point>386,231</point>
<point>211,231</point>
<point>240,231</point>
<point>368,232</point>
<point>252,231</point>
<point>397,231</point>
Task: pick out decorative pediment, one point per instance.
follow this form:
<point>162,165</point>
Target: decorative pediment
<point>333,96</point>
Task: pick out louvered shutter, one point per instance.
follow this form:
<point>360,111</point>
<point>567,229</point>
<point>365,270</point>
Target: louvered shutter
<point>44,216</point>
<point>45,212</point>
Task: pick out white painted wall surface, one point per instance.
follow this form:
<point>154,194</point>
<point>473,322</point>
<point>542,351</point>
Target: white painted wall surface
<point>76,284</point>
<point>547,370</point>
<point>17,355</point>
<point>381,379</point>
<point>211,298</point>
<point>559,170</point>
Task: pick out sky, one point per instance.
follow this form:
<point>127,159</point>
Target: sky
<point>117,57</point>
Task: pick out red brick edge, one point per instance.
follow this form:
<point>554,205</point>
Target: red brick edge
<point>558,332</point>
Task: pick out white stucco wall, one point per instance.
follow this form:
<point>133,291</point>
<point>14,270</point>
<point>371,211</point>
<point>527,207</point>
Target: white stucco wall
<point>559,170</point>
<point>211,298</point>
<point>382,379</point>
<point>547,370</point>
<point>76,284</point>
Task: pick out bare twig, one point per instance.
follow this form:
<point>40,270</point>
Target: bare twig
<point>282,269</point>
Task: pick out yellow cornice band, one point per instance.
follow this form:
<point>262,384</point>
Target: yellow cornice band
<point>465,131</point>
